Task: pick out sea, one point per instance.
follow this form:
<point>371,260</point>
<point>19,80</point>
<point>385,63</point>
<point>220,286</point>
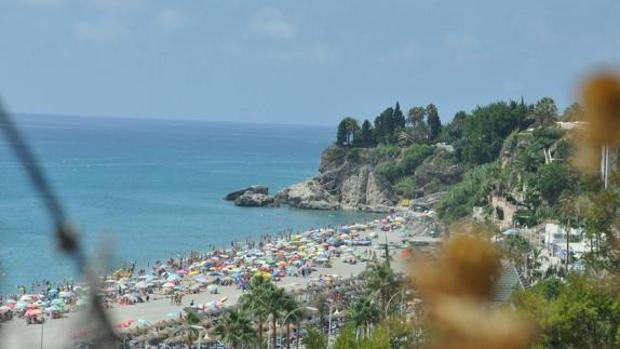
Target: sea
<point>140,190</point>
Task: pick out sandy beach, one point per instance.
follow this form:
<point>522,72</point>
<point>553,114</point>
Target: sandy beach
<point>57,333</point>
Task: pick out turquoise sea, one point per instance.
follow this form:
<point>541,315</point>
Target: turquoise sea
<point>149,189</point>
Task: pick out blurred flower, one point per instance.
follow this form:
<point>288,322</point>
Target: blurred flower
<point>601,99</point>
<point>457,287</point>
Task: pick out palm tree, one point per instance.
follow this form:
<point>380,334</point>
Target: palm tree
<point>276,305</point>
<point>255,301</point>
<point>363,314</point>
<point>235,330</point>
<point>190,327</point>
<point>382,281</point>
<point>291,307</point>
<point>315,339</point>
<point>320,302</point>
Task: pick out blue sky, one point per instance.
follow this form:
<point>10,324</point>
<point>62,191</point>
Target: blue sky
<point>308,62</point>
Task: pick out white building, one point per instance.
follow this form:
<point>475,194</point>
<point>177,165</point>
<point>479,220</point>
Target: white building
<point>555,240</point>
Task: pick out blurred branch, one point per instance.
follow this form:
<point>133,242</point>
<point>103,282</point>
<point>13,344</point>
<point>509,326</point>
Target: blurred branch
<point>65,234</point>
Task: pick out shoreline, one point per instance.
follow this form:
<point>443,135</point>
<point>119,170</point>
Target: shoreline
<point>76,279</point>
<point>160,306</point>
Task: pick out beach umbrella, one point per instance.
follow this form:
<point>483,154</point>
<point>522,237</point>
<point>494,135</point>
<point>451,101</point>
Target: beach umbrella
<point>53,309</point>
<point>32,312</point>
<point>201,279</point>
<point>65,294</point>
<point>26,298</point>
<point>173,277</point>
<point>57,301</point>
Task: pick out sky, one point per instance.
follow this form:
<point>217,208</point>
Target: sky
<point>300,62</point>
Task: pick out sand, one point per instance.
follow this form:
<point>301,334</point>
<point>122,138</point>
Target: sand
<point>56,333</point>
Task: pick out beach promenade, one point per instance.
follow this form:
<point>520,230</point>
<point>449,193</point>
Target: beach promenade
<point>57,333</point>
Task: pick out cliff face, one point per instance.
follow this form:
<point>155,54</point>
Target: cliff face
<point>347,180</point>
<point>437,172</point>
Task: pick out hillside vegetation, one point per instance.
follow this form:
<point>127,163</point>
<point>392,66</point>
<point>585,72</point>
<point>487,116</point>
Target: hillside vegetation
<point>511,149</point>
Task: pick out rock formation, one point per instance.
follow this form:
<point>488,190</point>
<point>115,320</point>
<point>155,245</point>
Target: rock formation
<point>254,196</point>
<point>255,189</point>
<point>347,180</point>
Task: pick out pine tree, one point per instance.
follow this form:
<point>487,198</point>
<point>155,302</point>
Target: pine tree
<point>366,135</point>
<point>384,127</point>
<point>433,121</point>
<point>398,117</point>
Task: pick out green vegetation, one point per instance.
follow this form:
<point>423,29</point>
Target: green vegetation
<point>473,139</point>
<point>393,333</point>
<point>582,312</point>
<point>486,129</point>
<point>411,158</point>
<point>264,300</point>
<point>315,339</point>
<point>472,191</point>
<point>235,330</point>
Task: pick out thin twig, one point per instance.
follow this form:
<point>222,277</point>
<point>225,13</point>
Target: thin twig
<point>65,234</point>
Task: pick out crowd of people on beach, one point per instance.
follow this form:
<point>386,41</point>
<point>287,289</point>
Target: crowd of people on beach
<point>275,257</point>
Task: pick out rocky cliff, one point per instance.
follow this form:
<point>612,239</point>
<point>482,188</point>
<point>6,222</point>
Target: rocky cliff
<point>347,179</point>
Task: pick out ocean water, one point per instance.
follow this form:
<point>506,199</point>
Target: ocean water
<point>150,189</point>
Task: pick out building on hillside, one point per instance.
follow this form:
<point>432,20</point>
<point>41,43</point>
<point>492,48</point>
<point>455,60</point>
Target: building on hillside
<point>555,241</point>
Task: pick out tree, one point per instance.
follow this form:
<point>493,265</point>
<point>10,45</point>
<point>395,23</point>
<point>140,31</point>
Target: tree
<point>486,129</point>
<point>574,113</point>
<point>321,303</point>
<point>416,116</point>
<point>433,121</point>
<point>516,249</point>
<point>366,138</point>
<point>276,306</point>
<point>347,129</point>
<point>235,329</point>
<point>291,308</point>
<point>472,191</point>
<point>364,313</point>
<point>190,322</point>
<point>552,180</point>
<point>347,338</point>
<point>382,280</point>
<point>454,130</point>
<point>584,312</point>
<point>341,136</point>
<point>256,299</point>
<point>315,339</point>
<point>384,127</point>
<point>545,111</point>
<point>399,118</point>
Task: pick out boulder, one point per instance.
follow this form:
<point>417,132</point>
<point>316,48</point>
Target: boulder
<point>251,199</point>
<point>255,189</point>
